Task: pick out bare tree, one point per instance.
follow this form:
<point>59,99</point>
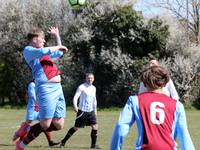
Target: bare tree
<point>187,13</point>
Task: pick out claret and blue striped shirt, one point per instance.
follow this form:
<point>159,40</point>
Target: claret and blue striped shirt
<point>159,118</point>
<point>41,63</point>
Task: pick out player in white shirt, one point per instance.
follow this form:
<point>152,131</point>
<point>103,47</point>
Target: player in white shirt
<point>86,110</point>
<point>169,89</point>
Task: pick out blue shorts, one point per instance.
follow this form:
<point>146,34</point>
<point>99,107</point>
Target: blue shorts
<point>51,101</point>
<point>31,114</point>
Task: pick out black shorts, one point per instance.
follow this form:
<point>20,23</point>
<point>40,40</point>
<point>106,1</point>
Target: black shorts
<point>85,119</point>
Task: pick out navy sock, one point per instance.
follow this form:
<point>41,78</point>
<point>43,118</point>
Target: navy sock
<point>93,137</point>
<point>68,135</point>
<point>34,132</point>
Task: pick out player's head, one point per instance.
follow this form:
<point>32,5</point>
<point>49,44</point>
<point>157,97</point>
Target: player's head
<point>154,62</point>
<point>89,78</point>
<point>36,37</point>
<point>155,77</point>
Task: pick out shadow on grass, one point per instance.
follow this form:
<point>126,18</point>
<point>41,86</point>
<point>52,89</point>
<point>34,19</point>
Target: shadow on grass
<point>77,147</point>
<point>54,147</point>
<point>6,145</point>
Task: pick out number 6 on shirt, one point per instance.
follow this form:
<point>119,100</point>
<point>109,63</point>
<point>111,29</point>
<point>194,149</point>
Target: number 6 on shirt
<point>157,119</point>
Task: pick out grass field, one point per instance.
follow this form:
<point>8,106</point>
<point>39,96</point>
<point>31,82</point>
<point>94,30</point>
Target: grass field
<point>10,120</point>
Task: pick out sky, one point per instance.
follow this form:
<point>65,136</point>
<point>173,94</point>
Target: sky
<point>147,9</point>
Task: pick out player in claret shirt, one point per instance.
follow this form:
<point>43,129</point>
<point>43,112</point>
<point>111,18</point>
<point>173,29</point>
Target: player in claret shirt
<point>160,119</point>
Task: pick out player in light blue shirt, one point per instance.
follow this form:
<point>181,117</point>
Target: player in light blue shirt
<point>51,101</point>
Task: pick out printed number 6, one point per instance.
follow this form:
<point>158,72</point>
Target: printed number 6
<point>160,111</point>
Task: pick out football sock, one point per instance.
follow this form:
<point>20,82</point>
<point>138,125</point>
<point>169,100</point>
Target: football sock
<point>93,137</point>
<point>68,135</point>
<point>48,136</point>
<point>52,128</point>
<point>34,131</point>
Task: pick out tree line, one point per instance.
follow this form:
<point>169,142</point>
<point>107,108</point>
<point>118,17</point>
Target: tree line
<point>109,39</point>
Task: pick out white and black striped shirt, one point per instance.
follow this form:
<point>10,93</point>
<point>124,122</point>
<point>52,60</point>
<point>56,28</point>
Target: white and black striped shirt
<point>87,100</point>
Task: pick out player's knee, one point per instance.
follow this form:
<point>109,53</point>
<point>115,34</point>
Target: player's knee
<point>44,126</point>
<point>75,128</point>
<point>94,126</point>
<point>59,126</point>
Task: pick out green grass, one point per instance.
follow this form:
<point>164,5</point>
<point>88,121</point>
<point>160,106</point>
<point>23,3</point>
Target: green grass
<point>10,120</point>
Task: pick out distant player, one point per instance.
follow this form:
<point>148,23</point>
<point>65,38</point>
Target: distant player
<point>169,89</point>
<point>86,110</point>
<point>160,119</point>
<point>32,114</point>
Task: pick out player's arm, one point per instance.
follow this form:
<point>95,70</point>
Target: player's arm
<point>55,32</point>
<point>123,125</point>
<point>32,101</point>
<point>142,88</point>
<point>75,99</point>
<point>95,103</point>
<point>172,90</point>
<point>182,130</point>
<point>30,53</point>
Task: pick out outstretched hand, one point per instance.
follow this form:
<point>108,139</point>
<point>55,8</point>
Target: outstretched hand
<point>54,31</point>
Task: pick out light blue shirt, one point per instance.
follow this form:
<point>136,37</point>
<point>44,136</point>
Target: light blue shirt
<point>32,56</point>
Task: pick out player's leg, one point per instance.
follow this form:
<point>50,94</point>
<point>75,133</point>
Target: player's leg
<point>49,139</point>
<point>70,132</point>
<point>31,115</point>
<point>21,132</point>
<point>79,123</point>
<point>47,104</point>
<point>34,132</point>
<point>93,122</point>
<point>30,132</point>
<point>51,106</point>
<point>93,136</point>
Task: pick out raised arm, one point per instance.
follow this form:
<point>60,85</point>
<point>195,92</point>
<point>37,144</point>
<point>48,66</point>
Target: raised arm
<point>172,90</point>
<point>55,33</point>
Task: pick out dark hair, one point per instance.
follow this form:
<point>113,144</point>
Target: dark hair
<point>34,33</point>
<point>155,77</point>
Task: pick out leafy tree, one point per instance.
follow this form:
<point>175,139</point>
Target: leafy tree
<point>105,37</point>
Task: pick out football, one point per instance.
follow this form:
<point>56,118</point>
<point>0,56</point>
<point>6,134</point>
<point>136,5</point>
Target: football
<point>76,3</point>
